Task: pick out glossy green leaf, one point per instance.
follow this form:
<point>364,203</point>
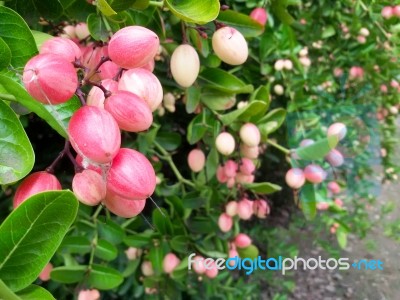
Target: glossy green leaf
<point>225,82</point>
<point>15,33</point>
<point>162,222</point>
<point>120,5</point>
<point>319,149</point>
<point>111,231</point>
<point>271,121</point>
<point>98,29</point>
<point>105,250</point>
<point>6,293</point>
<point>170,141</point>
<point>244,113</point>
<point>328,32</point>
<point>180,243</point>
<point>105,8</point>
<point>217,100</point>
<point>262,187</point>
<point>70,274</point>
<point>308,201</point>
<point>76,244</point>
<point>5,54</point>
<point>212,162</point>
<point>32,233</point>
<point>138,240</point>
<point>192,99</point>
<point>35,292</point>
<point>200,12</point>
<point>181,270</point>
<point>140,4</point>
<point>40,37</point>
<point>16,155</point>
<point>196,129</point>
<point>246,25</point>
<point>279,8</point>
<point>104,278</point>
<point>341,235</point>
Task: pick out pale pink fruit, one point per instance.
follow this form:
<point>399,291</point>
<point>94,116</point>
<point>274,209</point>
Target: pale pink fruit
<point>245,209</point>
<point>35,183</point>
<point>305,61</point>
<point>133,46</point>
<point>250,135</point>
<point>42,77</point>
<point>260,15</point>
<point>230,46</point>
<point>306,142</point>
<point>89,295</point>
<point>94,134</point>
<point>322,205</point>
<point>295,178</point>
<point>338,129</point>
<point>287,64</point>
<point>387,12</point>
<point>91,57</point>
<point>133,253</point>
<point>62,47</point>
<point>243,178</point>
<point>170,262</point>
<point>150,65</point>
<point>338,202</point>
<point>212,271</point>
<point>249,152</point>
<point>247,167</point>
<point>230,182</point>
<point>230,168</point>
<point>364,31</point>
<point>261,208</point>
<point>396,10</point>
<point>361,39</point>
<point>144,84</point>
<point>394,84</point>
<point>338,72</point>
<point>147,268</point>
<point>314,173</point>
<point>82,31</point>
<point>150,291</point>
<point>108,70</point>
<point>232,254</point>
<point>279,90</point>
<point>131,175</point>
<point>196,160</point>
<point>333,230</point>
<point>198,264</point>
<point>45,274</point>
<point>123,207</point>
<point>356,72</point>
<point>96,95</point>
<point>334,187</point>
<point>335,158</point>
<point>89,187</point>
<point>131,112</point>
<point>225,143</point>
<point>69,32</point>
<point>279,65</point>
<point>185,65</point>
<point>242,240</point>
<point>87,164</point>
<point>231,208</point>
<point>221,177</point>
<point>225,222</point>
<point>384,88</point>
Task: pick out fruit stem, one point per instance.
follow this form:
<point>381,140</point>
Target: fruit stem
<point>156,3</point>
<point>279,147</point>
<point>50,169</point>
<point>81,96</point>
<point>106,92</point>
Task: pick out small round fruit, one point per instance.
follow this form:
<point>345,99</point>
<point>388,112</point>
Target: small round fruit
<point>335,158</point>
<point>249,152</point>
<point>170,262</point>
<point>185,65</point>
<point>260,15</point>
<point>225,143</point>
<point>89,187</point>
<point>230,46</point>
<point>295,178</point>
<point>278,89</point>
<point>338,129</point>
<point>245,209</point>
<point>387,12</point>
<point>147,268</point>
<point>250,135</point>
<point>82,31</point>
<point>196,160</point>
<point>45,274</point>
<point>63,47</point>
<point>261,208</point>
<point>123,207</point>
<point>96,95</point>
<point>242,240</point>
<point>231,208</point>
<point>230,168</point>
<point>225,222</point>
<point>247,167</point>
<point>212,272</point>
<point>314,173</point>
<point>334,187</point>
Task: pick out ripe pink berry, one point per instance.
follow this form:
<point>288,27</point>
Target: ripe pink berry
<point>45,274</point>
<point>356,72</point>
<point>230,183</point>
<point>261,208</point>
<point>335,158</point>
<point>314,173</point>
<point>212,271</point>
<point>87,164</point>
<point>221,177</point>
<point>133,253</point>
<point>170,262</point>
<point>231,208</point>
<point>249,152</point>
<point>334,187</point>
<point>150,65</point>
<point>338,129</point>
<point>245,209</point>
<point>131,175</point>
<point>185,65</point>
<point>225,222</point>
<point>91,56</point>
<point>396,10</point>
<point>89,295</point>
<point>232,254</point>
<point>62,47</point>
<point>384,88</point>
<point>250,135</point>
<point>123,207</point>
<point>198,264</point>
<point>144,84</point>
<point>96,95</point>
<point>242,240</point>
<point>35,183</point>
<point>68,32</point>
<point>230,46</point>
<point>247,167</point>
<point>295,178</point>
<point>131,112</point>
<point>387,12</point>
<point>338,202</point>
<point>196,160</point>
<point>260,15</point>
<point>322,205</point>
<point>89,187</point>
<point>133,46</point>
<point>94,134</point>
<point>225,143</point>
<point>82,31</point>
<point>147,268</point>
<point>108,70</point>
<point>243,178</point>
<point>230,168</point>
<point>42,77</point>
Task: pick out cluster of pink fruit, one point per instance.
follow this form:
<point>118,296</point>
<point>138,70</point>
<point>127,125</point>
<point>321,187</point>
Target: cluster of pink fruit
<point>121,178</point>
<point>391,11</point>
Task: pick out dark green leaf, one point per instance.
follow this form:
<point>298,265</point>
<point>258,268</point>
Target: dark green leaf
<point>212,163</point>
<point>192,99</point>
<point>70,274</point>
<point>162,222</point>
<point>180,243</point>
<point>217,100</point>
<point>139,240</point>
<point>111,231</point>
<point>244,113</point>
<point>76,244</point>
<point>5,54</point>
<point>170,141</point>
<point>105,250</point>
<point>105,8</point>
<point>35,292</point>
<point>319,149</point>
<point>104,278</point>
<point>272,121</point>
<point>246,25</point>
<point>225,82</point>
<point>193,200</point>
<point>280,10</point>
<point>200,12</point>
<point>262,187</point>
<point>98,29</point>
<point>308,201</point>
<point>196,129</point>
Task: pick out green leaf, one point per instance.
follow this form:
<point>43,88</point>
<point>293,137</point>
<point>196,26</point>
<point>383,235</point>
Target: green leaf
<point>225,82</point>
<point>76,244</point>
<point>120,5</point>
<point>196,129</point>
<point>5,54</point>
<point>212,163</point>
<point>279,8</point>
<point>200,12</point>
<point>308,201</point>
<point>111,231</point>
<point>6,293</point>
<point>70,274</point>
<point>16,155</point>
<point>341,235</point>
<point>217,100</point>
<point>170,141</point>
<point>140,4</point>
<point>180,243</point>
<point>319,149</point>
<point>244,113</point>
<point>15,33</point>
<point>40,37</point>
<point>162,222</point>
<point>246,25</point>
<point>104,278</point>
<point>35,292</point>
<point>192,99</point>
<point>57,116</point>
<point>105,250</point>
<point>32,233</point>
<point>262,187</point>
<point>271,121</point>
<point>328,32</point>
<point>105,8</point>
<point>139,240</point>
<point>98,29</point>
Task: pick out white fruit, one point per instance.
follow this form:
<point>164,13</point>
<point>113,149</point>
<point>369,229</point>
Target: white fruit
<point>230,46</point>
<point>185,65</point>
<point>225,143</point>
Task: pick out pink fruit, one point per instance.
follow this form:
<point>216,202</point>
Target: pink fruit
<point>133,253</point>
<point>108,70</point>
<point>334,187</point>
<point>94,134</point>
<point>96,95</point>
<point>396,10</point>
<point>45,274</point>
<point>198,264</point>
<point>221,177</point>
<point>260,15</point>
<point>35,183</point>
<point>230,46</point>
<point>89,295</point>
<point>91,57</point>
<point>295,178</point>
<point>230,182</point>
<point>196,160</point>
<point>147,268</point>
<point>322,205</point>
<point>133,46</point>
<point>356,72</point>
<point>131,175</point>
<point>339,202</point>
<point>231,208</point>
<point>185,65</point>
<point>82,31</point>
<point>243,178</point>
<point>387,12</point>
<point>338,129</point>
<point>338,72</point>
<point>131,112</point>
<point>225,143</point>
<point>170,262</point>
<point>86,164</point>
<point>230,168</point>
<point>314,173</point>
<point>242,240</point>
<point>123,207</point>
<point>89,187</point>
<point>245,209</point>
<point>62,47</point>
<point>247,166</point>
<point>212,272</point>
<point>335,158</point>
<point>384,88</point>
<point>144,84</point>
<point>69,32</point>
<point>225,222</point>
<point>261,208</point>
<point>42,77</point>
<point>150,66</point>
<point>232,254</point>
<point>249,152</point>
<point>250,135</point>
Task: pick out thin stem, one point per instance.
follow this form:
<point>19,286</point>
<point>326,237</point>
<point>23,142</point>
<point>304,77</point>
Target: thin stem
<point>81,96</point>
<point>279,147</point>
<point>96,69</point>
<point>50,169</point>
<point>156,3</point>
<point>106,92</point>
